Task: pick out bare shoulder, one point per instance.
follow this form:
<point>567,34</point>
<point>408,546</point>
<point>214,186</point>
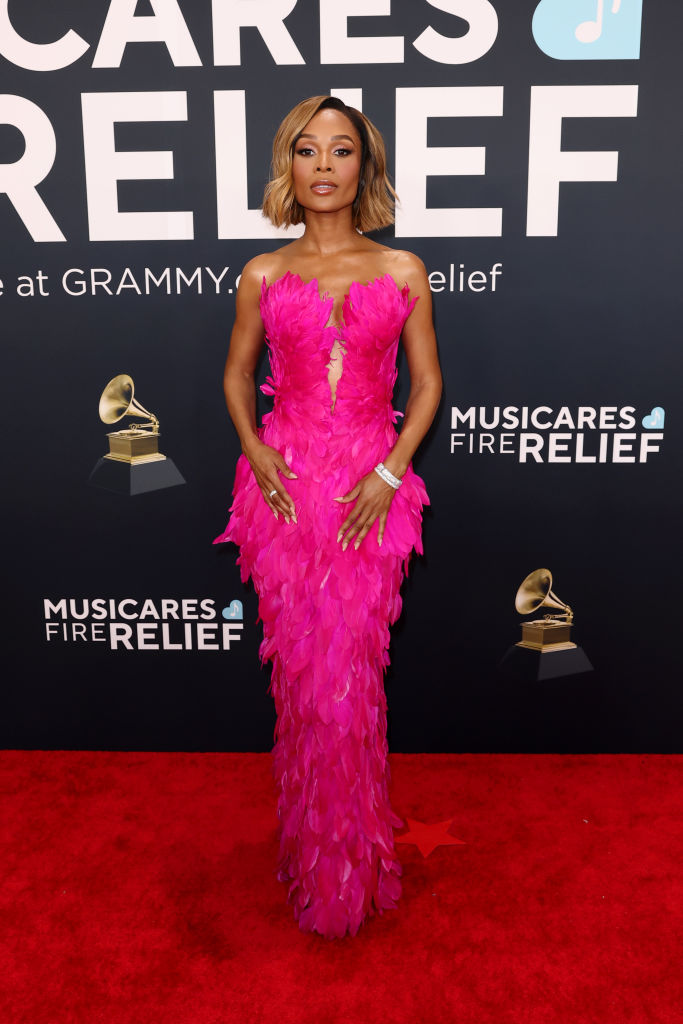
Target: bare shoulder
<point>257,268</point>
<point>272,264</point>
<point>407,265</point>
<point>407,268</point>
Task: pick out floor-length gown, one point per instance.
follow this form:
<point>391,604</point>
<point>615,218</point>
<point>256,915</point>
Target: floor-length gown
<point>326,612</point>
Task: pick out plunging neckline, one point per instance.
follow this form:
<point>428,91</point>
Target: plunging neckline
<point>339,325</point>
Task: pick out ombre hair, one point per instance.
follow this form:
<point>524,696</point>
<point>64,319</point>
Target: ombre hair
<point>373,206</point>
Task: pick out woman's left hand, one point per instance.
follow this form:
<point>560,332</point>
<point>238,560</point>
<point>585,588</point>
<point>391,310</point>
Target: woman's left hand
<point>374,498</point>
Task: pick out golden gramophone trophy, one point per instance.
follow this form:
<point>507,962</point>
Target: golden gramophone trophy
<point>546,650</point>
<point>140,442</point>
<point>133,463</point>
<point>551,633</point>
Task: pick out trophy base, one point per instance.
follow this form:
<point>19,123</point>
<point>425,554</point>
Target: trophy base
<point>546,634</point>
<point>137,477</point>
<point>565,645</point>
<point>134,445</point>
<point>532,664</point>
<point>135,460</point>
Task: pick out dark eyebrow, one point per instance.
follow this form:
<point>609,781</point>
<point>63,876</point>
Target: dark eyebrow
<point>334,138</point>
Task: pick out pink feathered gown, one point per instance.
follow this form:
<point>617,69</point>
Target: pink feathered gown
<point>326,612</point>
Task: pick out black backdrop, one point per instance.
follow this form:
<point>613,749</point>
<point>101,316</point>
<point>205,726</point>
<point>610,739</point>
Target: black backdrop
<point>583,317</point>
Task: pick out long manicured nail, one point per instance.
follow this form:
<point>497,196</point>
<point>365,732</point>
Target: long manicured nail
<point>357,545</point>
<point>345,545</point>
<point>339,536</point>
<point>275,514</point>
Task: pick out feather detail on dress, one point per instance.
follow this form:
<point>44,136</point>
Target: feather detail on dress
<point>326,612</point>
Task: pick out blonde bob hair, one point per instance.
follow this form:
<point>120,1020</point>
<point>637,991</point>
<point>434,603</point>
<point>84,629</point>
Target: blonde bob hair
<point>373,206</point>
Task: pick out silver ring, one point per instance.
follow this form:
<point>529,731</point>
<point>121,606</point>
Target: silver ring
<point>272,493</point>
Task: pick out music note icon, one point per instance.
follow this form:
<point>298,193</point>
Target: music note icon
<point>589,31</point>
<point>655,419</point>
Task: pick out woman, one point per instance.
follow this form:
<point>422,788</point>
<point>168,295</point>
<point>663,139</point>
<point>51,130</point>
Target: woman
<point>327,508</point>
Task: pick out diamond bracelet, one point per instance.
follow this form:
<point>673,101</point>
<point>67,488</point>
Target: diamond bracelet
<point>388,477</point>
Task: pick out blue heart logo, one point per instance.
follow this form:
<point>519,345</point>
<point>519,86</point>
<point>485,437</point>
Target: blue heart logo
<point>588,29</point>
<point>655,420</point>
<point>233,611</point>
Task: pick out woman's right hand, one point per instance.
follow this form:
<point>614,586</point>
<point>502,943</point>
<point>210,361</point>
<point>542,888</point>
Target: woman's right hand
<point>267,462</point>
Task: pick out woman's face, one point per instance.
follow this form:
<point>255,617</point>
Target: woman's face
<point>326,163</point>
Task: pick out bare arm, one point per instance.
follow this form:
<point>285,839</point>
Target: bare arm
<point>246,342</point>
<point>373,495</point>
<point>419,342</point>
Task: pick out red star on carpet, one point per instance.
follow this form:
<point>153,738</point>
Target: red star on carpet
<point>428,837</point>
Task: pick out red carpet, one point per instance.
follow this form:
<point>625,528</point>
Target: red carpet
<point>139,888</point>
